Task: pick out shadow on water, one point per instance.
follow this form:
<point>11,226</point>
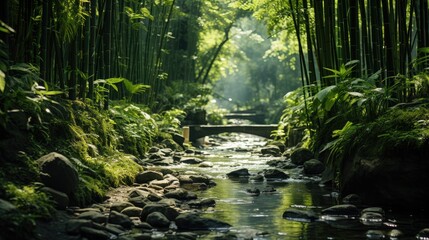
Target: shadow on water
<point>261,216</point>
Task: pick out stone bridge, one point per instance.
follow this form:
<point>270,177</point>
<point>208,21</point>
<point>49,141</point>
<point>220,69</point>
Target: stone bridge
<point>194,132</point>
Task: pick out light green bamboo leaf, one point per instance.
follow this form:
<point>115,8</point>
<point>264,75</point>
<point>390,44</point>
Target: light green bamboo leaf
<point>99,81</point>
<point>378,90</point>
<point>2,81</point>
<point>324,93</point>
<point>49,93</point>
<point>329,102</point>
<point>146,13</point>
<point>5,28</point>
<point>355,94</point>
<point>349,63</point>
<point>374,76</point>
<point>423,50</point>
<point>114,80</point>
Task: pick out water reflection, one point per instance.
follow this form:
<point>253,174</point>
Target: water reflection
<point>261,217</point>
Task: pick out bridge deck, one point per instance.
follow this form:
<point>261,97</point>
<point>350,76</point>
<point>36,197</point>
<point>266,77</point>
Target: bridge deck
<point>199,131</point>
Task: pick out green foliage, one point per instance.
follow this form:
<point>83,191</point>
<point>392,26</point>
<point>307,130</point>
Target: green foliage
<point>135,127</point>
<point>395,133</point>
<point>30,201</point>
<point>134,89</point>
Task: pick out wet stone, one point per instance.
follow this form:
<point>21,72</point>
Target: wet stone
<point>313,166</point>
<point>162,183</point>
<point>192,221</point>
<point>191,160</point>
<point>375,234</point>
<point>94,234</point>
<point>342,210</point>
<point>120,219</point>
<point>352,199</point>
<point>158,220</point>
<point>73,226</point>
<point>139,201</point>
<point>300,215</point>
<point>119,206</point>
<point>243,172</point>
<point>138,193</point>
<point>97,217</point>
<point>132,211</point>
<point>205,165</point>
<point>147,176</point>
<point>275,174</point>
<point>423,234</point>
<point>301,155</point>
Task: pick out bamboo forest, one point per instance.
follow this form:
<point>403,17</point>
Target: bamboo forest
<point>214,119</point>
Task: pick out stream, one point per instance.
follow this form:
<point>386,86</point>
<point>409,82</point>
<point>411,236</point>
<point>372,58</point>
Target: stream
<point>261,216</point>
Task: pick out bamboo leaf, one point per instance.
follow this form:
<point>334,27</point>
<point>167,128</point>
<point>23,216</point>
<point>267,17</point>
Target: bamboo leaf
<point>355,94</point>
<point>2,81</point>
<point>423,50</point>
<point>324,93</point>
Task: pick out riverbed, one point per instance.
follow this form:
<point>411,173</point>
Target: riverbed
<point>261,216</point>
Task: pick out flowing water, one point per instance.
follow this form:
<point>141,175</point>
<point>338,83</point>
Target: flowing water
<point>261,217</point>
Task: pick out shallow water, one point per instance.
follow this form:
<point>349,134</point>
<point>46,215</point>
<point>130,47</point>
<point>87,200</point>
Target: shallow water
<point>260,217</point>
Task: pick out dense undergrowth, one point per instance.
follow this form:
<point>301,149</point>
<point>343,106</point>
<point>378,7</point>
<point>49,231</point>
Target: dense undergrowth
<point>104,146</point>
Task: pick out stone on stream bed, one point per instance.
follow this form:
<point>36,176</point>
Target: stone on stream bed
<point>191,160</point>
<point>275,174</point>
<point>346,210</point>
<point>243,172</point>
<point>300,215</point>
<point>271,150</point>
<point>120,219</point>
<point>301,155</point>
<point>313,166</point>
<point>170,212</point>
<point>192,221</point>
<point>148,176</point>
<point>158,220</point>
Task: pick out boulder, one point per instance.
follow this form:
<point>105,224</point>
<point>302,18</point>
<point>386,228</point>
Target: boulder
<point>119,206</point>
<point>132,211</point>
<point>94,216</point>
<point>243,172</point>
<point>58,172</point>
<point>275,174</point>
<point>352,199</point>
<point>192,221</point>
<point>191,160</point>
<point>272,150</point>
<point>301,155</point>
<point>341,210</point>
<point>179,194</point>
<point>61,199</point>
<point>167,210</point>
<point>313,166</point>
<point>423,234</point>
<point>94,234</point>
<point>147,176</point>
<point>302,215</point>
<point>73,226</point>
<point>158,220</point>
<point>205,165</point>
<point>120,219</point>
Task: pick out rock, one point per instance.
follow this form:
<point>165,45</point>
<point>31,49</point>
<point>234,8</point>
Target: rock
<point>202,203</point>
<point>153,149</point>
<point>371,219</point>
<point>275,174</point>
<point>115,229</point>
<point>180,194</point>
<point>138,193</point>
<point>313,166</point>
<point>139,201</point>
<point>397,179</point>
<point>178,138</point>
<point>147,176</point>
<point>73,226</point>
<point>94,234</point>
<point>343,210</point>
<point>272,150</point>
<point>257,178</point>
<point>132,211</point>
<point>158,220</point>
<point>395,234</point>
<point>191,221</point>
<point>97,217</point>
<point>423,234</point>
<point>205,165</point>
<point>61,199</point>
<point>253,191</point>
<point>186,236</point>
<point>120,219</point>
<point>373,209</point>
<point>154,197</point>
<point>166,151</point>
<point>168,211</point>
<point>58,173</point>
<point>301,155</point>
<point>301,215</point>
<point>119,206</point>
<point>243,172</point>
<point>352,199</point>
<point>199,179</point>
<point>162,183</point>
<point>374,234</point>
<point>191,160</point>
